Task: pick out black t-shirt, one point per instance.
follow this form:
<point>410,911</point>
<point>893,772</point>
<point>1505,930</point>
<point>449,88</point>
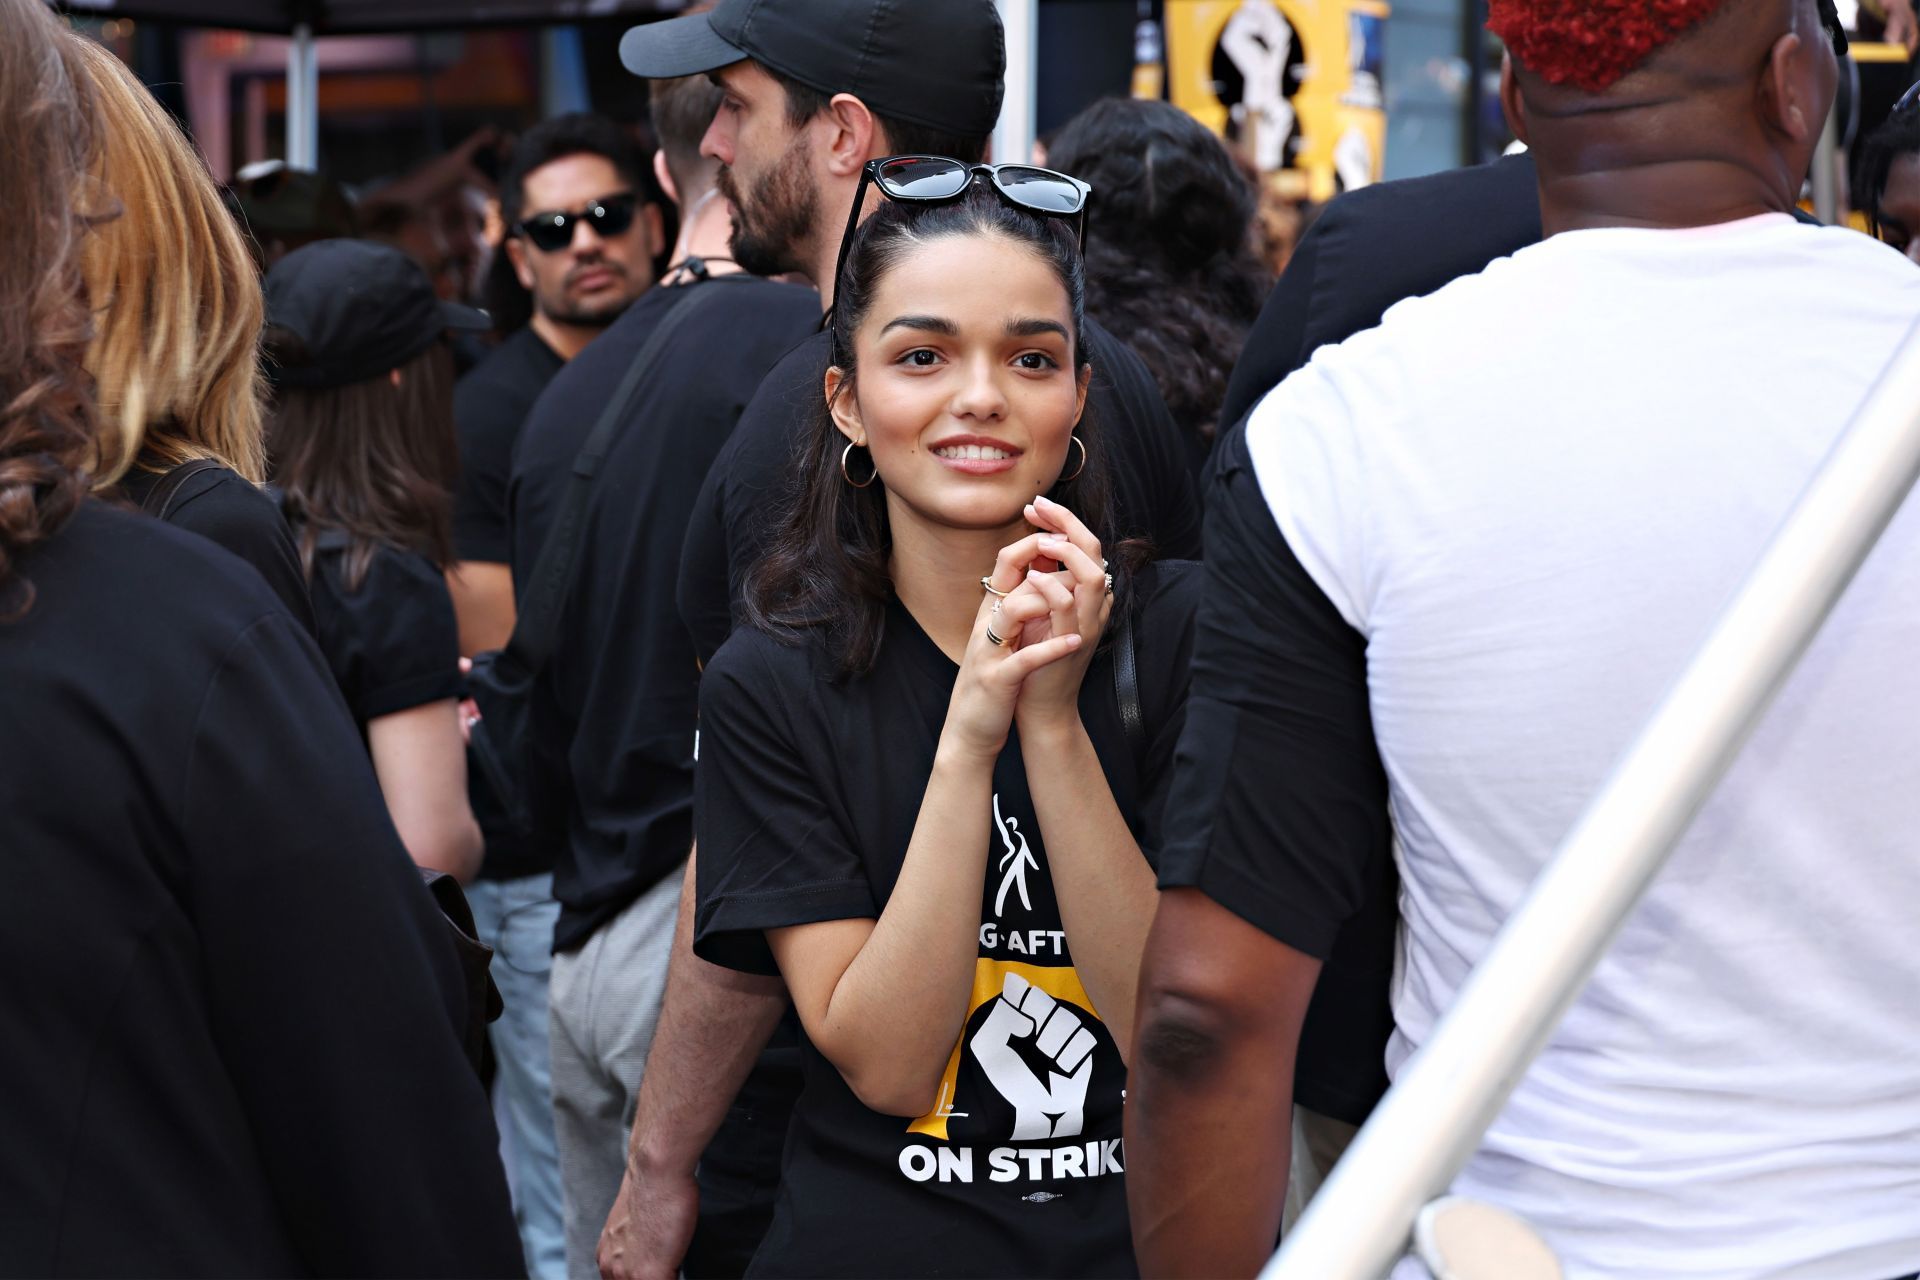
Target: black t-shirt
<point>391,642</point>
<point>490,405</point>
<point>613,713</point>
<point>808,791</point>
<point>220,505</point>
<point>1281,830</point>
<point>230,1014</point>
<point>1152,482</point>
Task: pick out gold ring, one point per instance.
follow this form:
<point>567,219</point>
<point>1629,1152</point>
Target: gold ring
<point>997,640</point>
<point>986,582</point>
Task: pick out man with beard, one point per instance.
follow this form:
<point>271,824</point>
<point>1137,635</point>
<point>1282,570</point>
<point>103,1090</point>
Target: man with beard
<point>799,118</point>
<point>582,232</point>
<point>582,239</point>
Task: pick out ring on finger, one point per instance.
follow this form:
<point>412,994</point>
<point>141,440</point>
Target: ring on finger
<point>986,582</point>
<point>998,641</point>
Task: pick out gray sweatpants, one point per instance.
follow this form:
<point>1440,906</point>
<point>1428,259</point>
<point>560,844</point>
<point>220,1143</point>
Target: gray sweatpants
<point>605,1006</point>
<point>1318,1143</point>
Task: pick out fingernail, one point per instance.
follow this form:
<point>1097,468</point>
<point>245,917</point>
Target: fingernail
<point>1073,642</point>
<point>1042,500</point>
<point>1051,539</point>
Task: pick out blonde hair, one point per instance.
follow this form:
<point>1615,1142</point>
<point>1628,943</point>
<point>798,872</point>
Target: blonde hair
<point>176,295</point>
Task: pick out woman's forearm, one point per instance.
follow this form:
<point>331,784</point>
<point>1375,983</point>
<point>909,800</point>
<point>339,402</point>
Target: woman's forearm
<point>1105,887</point>
<point>897,1010</point>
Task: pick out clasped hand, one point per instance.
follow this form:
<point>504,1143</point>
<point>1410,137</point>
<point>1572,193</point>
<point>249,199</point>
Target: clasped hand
<point>1049,624</point>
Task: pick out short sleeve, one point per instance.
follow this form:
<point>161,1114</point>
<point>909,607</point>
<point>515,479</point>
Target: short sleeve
<point>1304,451</point>
<point>771,853</point>
<point>1278,795</point>
<point>405,640</point>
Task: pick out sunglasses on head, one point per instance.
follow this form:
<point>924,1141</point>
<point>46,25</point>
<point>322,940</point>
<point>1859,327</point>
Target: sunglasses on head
<point>932,179</point>
<point>553,231</point>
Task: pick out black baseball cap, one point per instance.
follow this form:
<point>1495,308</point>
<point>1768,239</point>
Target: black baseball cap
<point>938,63</point>
<point>358,309</point>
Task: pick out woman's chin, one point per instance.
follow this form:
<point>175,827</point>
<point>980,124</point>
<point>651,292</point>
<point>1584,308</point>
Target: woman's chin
<point>974,512</point>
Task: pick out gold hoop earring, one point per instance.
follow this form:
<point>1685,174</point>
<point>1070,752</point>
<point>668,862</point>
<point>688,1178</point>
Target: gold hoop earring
<point>846,475</point>
<point>1083,460</point>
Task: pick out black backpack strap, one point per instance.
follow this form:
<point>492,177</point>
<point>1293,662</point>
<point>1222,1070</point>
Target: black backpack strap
<point>536,629</point>
<point>159,499</point>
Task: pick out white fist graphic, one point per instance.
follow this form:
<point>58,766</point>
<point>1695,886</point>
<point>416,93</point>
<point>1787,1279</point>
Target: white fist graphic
<point>1055,1107</point>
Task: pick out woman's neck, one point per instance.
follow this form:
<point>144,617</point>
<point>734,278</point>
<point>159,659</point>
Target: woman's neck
<point>936,573</point>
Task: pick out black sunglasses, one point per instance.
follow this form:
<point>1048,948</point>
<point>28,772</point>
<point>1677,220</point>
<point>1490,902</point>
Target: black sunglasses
<point>553,231</point>
<point>935,178</point>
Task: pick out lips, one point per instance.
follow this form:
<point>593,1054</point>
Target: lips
<point>971,451</point>
<point>976,455</point>
<point>594,278</point>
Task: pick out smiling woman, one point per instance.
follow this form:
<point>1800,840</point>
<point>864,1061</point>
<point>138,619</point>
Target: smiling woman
<point>918,800</point>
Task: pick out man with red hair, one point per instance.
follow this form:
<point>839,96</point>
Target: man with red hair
<point>1452,565</point>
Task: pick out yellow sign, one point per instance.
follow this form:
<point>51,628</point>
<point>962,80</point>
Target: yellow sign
<point>1293,83</point>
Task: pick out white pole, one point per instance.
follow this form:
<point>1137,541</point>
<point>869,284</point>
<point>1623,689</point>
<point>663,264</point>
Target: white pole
<point>1432,1119</point>
<point>1013,135</point>
<point>303,100</point>
<point>1826,171</point>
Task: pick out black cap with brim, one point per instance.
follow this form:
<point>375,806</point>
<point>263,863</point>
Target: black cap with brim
<point>357,310</point>
<point>938,63</point>
<point>686,46</point>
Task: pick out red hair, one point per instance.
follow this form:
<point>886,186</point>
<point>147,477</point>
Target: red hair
<point>1590,43</point>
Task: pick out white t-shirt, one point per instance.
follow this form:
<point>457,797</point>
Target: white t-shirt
<point>1532,492</point>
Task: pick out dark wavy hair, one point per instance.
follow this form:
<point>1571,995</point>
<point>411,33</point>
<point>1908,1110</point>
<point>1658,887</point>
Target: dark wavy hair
<point>825,570</point>
<point>1898,136</point>
<point>1170,264</point>
<point>48,425</point>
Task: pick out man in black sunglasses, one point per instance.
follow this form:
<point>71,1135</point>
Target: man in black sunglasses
<point>582,244</point>
<point>581,239</point>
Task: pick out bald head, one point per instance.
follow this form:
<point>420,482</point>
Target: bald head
<point>1718,121</point>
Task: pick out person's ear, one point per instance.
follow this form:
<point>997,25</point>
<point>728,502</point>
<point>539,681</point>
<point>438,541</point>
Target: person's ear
<point>664,176</point>
<point>1080,393</point>
<point>1511,102</point>
<point>1788,87</point>
<point>851,135</point>
<point>844,405</point>
<point>517,255</point>
<point>656,229</point>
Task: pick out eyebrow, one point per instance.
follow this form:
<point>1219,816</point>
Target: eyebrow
<point>1034,328</point>
<point>928,324</point>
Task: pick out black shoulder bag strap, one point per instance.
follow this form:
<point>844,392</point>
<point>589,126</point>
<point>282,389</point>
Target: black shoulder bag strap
<point>159,499</point>
<point>1126,688</point>
<point>536,629</point>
